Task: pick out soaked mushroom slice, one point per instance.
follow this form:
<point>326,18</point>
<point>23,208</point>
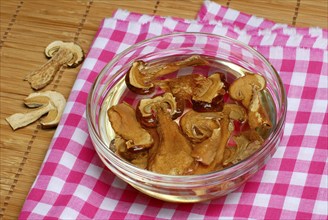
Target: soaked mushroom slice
<point>243,88</point>
<point>230,112</point>
<point>140,77</point>
<point>209,97</point>
<point>205,151</point>
<point>173,155</point>
<point>124,122</point>
<point>146,112</point>
<point>257,116</point>
<point>246,144</point>
<point>198,126</point>
<point>183,86</point>
<point>138,158</point>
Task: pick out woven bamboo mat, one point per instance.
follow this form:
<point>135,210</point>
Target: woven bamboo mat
<point>28,26</point>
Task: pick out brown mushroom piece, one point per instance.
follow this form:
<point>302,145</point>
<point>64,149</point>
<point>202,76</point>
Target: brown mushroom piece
<point>173,155</point>
<point>49,102</point>
<point>242,88</point>
<point>141,75</point>
<point>247,89</point>
<point>146,108</point>
<point>257,116</point>
<point>230,112</point>
<point>124,122</point>
<point>209,97</point>
<point>198,126</point>
<point>183,86</point>
<point>61,54</point>
<point>138,158</point>
<point>246,144</point>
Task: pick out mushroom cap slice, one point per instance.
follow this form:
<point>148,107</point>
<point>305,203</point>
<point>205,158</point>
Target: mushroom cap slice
<point>198,126</point>
<point>40,98</point>
<point>75,49</point>
<point>242,88</point>
<point>124,122</point>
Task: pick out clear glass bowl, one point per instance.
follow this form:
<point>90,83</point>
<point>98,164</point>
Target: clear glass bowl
<point>227,55</point>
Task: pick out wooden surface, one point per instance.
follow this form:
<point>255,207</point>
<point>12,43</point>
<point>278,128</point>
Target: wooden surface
<point>27,26</point>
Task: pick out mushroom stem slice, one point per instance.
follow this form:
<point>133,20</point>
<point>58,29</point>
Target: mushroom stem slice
<point>173,154</point>
<point>61,54</point>
<point>20,120</point>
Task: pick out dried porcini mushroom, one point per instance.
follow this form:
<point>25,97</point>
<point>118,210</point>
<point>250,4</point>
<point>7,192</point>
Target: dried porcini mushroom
<point>146,112</point>
<point>242,88</point>
<point>246,144</point>
<point>141,75</point>
<point>138,158</point>
<point>124,122</point>
<point>247,90</point>
<point>61,54</point>
<point>183,87</point>
<point>198,126</point>
<point>209,97</point>
<point>173,155</point>
<point>257,116</point>
<point>230,113</point>
<point>49,102</point>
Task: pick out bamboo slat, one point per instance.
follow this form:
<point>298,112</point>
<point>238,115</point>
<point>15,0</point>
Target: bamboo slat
<point>27,26</point>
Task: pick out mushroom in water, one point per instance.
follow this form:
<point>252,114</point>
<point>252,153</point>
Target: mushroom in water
<point>141,75</point>
<point>246,144</point>
<point>247,89</point>
<point>198,126</point>
<point>209,97</point>
<point>50,102</point>
<point>124,122</point>
<point>146,108</point>
<point>62,54</point>
<point>206,94</point>
<point>173,154</point>
<point>230,112</point>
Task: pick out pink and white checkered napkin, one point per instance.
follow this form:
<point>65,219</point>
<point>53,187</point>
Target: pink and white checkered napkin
<point>74,184</point>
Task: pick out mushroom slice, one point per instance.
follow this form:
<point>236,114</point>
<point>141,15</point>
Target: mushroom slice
<point>230,112</point>
<point>257,116</point>
<point>61,54</point>
<point>146,112</point>
<point>205,151</point>
<point>124,122</point>
<point>198,126</point>
<point>183,86</point>
<point>209,97</point>
<point>242,88</point>
<point>50,102</point>
<point>140,76</point>
<point>58,100</point>
<point>138,158</point>
<point>246,144</point>
<point>173,155</point>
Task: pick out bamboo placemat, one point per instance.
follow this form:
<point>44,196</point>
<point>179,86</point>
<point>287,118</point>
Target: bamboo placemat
<point>28,26</point>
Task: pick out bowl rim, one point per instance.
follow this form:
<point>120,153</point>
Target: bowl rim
<point>214,174</point>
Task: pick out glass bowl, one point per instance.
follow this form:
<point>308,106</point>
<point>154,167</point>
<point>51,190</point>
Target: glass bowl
<point>225,54</point>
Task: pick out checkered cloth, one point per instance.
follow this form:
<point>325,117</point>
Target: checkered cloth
<point>74,184</point>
